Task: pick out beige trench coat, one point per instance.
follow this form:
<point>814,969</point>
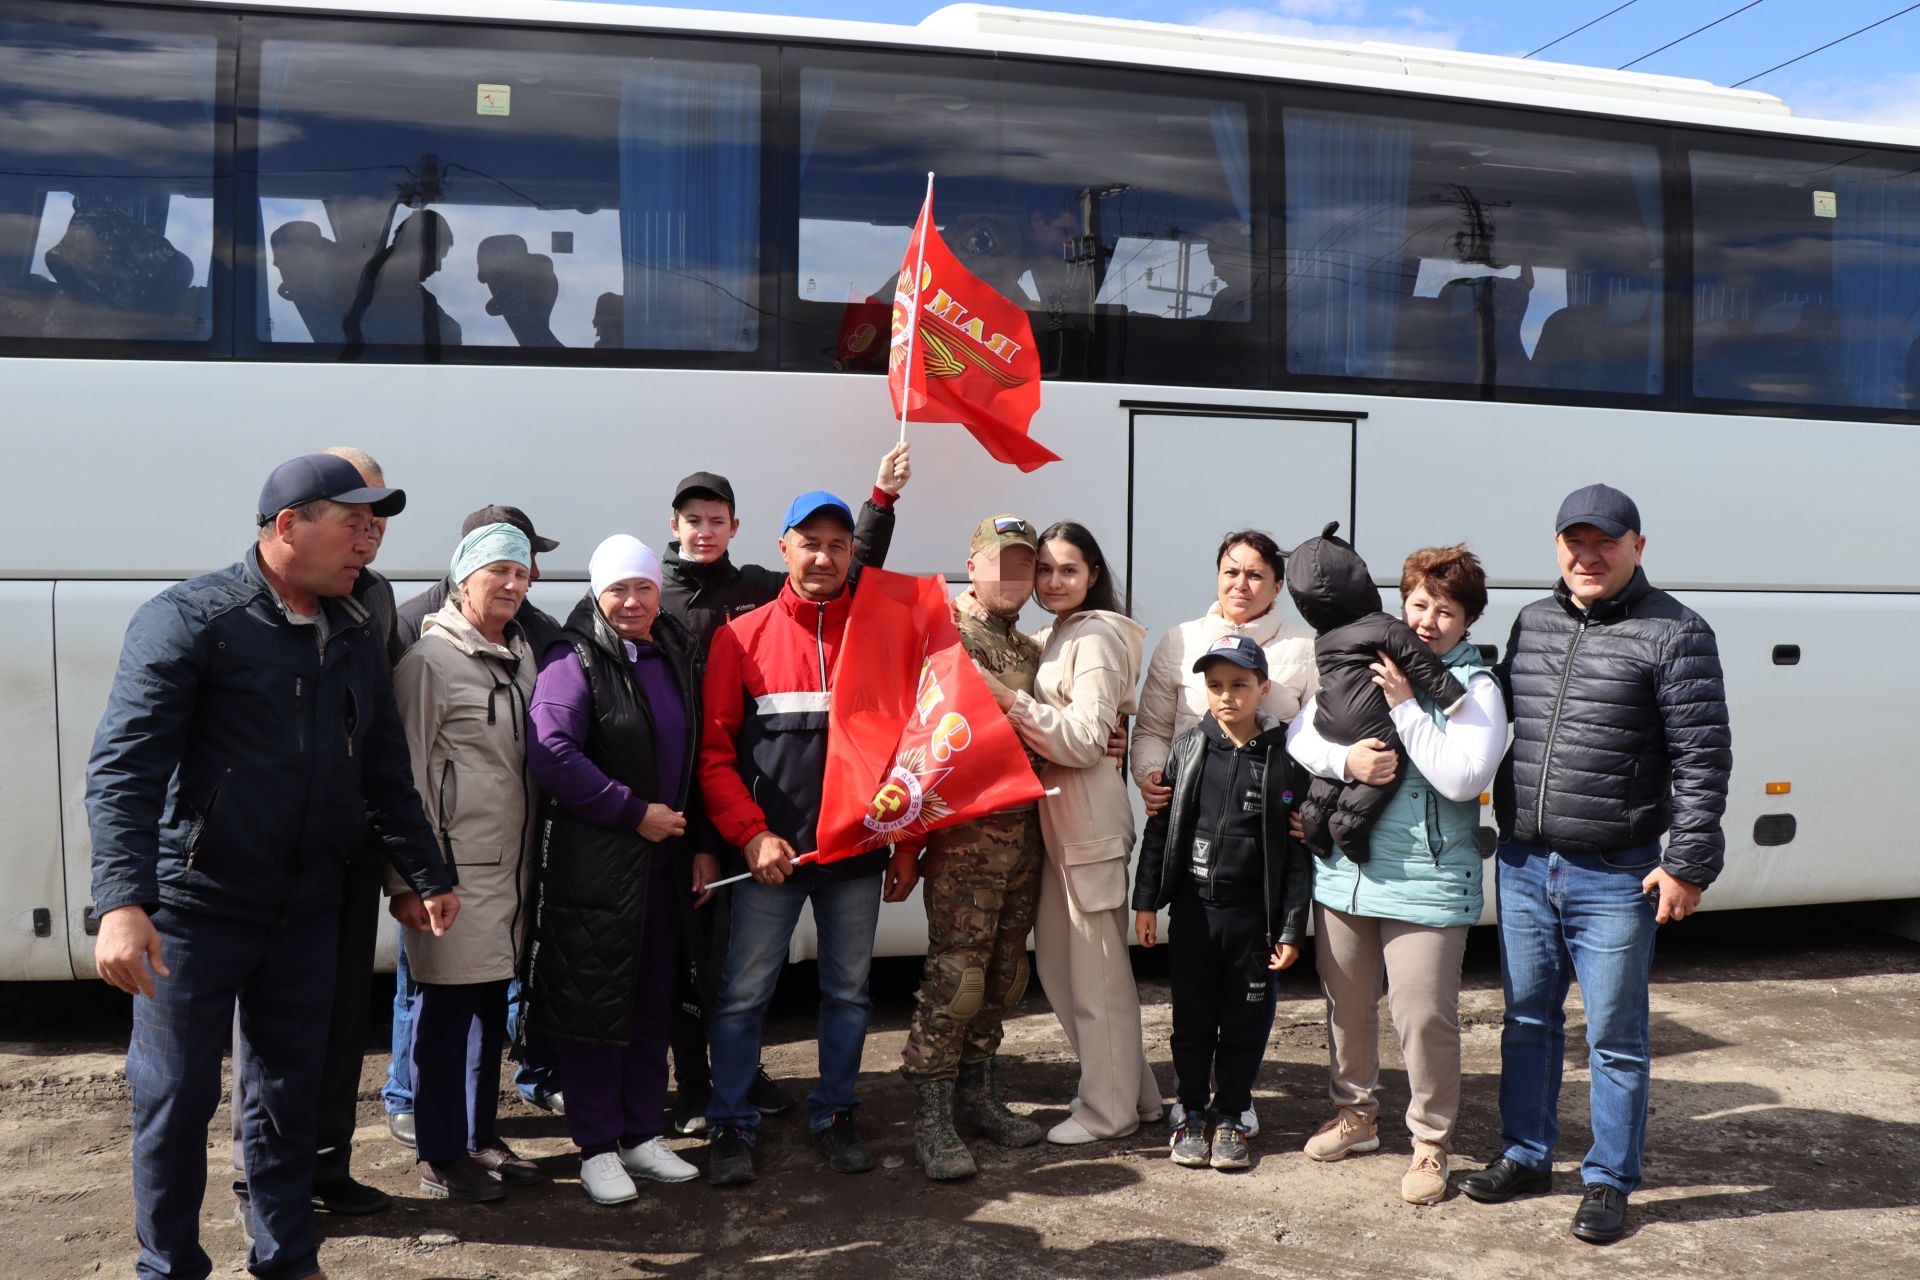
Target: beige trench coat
<point>471,771</point>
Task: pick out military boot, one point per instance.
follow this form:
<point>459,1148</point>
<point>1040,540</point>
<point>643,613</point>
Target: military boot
<point>935,1145</point>
<point>977,1108</point>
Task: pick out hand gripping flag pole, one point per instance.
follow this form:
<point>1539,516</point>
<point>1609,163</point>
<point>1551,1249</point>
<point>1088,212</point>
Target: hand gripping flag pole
<point>913,316</point>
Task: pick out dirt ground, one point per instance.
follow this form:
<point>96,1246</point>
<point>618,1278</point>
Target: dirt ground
<point>1784,1141</point>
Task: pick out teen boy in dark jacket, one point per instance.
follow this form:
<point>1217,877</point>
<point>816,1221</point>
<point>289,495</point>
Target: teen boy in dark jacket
<point>1219,855</point>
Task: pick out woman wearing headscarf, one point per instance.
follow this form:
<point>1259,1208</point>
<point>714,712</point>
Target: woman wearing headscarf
<point>615,724</point>
<point>463,692</point>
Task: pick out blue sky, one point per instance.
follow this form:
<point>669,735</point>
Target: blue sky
<point>1875,77</point>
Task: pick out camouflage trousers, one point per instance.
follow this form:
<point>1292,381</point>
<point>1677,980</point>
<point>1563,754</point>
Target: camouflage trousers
<point>982,886</point>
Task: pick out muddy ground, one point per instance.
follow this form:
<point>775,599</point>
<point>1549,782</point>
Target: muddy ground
<point>1785,1141</point>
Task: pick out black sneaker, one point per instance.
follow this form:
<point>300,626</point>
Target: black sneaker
<point>348,1198</point>
<point>689,1117</point>
<point>840,1143</point>
<point>729,1157</point>
<point>768,1098</point>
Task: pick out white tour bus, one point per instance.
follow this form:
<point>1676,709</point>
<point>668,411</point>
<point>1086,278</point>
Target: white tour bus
<point>559,255</point>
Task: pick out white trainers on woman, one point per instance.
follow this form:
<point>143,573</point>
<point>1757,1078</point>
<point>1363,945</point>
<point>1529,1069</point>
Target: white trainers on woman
<point>654,1159</point>
<point>605,1181</point>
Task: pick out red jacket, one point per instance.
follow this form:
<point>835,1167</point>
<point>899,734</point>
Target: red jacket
<point>763,749</point>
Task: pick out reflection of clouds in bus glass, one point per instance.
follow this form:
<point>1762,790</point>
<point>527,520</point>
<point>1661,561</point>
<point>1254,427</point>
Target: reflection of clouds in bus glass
<point>190,230</point>
<point>84,135</point>
<point>849,261</point>
<point>170,69</point>
<point>55,214</point>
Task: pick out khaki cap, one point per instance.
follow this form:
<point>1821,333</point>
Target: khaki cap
<point>1003,530</point>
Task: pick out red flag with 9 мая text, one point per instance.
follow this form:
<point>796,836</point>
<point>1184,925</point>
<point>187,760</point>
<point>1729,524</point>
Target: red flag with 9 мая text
<point>915,741</point>
<point>972,361</point>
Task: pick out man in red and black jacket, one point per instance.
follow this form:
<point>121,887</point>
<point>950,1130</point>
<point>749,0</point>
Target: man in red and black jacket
<point>762,760</point>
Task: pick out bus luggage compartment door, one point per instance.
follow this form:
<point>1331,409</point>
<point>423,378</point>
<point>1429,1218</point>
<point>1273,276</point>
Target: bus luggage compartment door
<point>1197,475</point>
<point>33,920</point>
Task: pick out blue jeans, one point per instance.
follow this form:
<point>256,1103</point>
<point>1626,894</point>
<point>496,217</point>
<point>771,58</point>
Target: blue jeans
<point>541,1070</point>
<point>1566,916</point>
<point>846,913</point>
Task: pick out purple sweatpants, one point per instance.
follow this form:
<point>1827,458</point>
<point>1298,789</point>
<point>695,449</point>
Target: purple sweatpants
<point>619,1095</point>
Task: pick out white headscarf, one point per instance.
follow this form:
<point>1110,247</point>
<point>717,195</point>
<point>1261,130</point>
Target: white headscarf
<point>621,557</point>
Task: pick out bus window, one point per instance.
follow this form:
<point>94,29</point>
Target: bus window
<point>419,195</point>
<point>107,175</point>
<point>1807,277</point>
<point>1106,209</point>
<point>1441,252</point>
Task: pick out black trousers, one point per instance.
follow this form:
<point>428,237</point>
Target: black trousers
<point>338,1101</point>
<point>1223,999</point>
<point>457,1034</point>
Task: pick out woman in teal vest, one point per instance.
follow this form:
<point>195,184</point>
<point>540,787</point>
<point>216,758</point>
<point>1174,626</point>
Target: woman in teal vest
<point>1399,917</point>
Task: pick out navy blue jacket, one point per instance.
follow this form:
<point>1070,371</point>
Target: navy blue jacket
<point>236,771</point>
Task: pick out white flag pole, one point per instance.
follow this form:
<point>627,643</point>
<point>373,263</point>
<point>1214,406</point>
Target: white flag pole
<point>913,316</point>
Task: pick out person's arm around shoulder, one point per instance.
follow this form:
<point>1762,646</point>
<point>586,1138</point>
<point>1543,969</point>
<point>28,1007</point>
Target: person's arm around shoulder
<point>1076,735</point>
<point>1690,690</point>
<point>138,745</point>
<point>1153,723</point>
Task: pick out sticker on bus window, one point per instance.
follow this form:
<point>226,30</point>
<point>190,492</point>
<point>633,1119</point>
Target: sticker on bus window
<point>1825,205</point>
<point>494,100</point>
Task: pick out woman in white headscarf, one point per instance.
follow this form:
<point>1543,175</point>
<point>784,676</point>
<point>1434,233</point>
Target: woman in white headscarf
<point>615,724</point>
<point>463,692</point>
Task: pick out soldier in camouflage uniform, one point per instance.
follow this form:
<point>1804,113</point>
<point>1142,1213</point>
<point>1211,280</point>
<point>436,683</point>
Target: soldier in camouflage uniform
<point>982,883</point>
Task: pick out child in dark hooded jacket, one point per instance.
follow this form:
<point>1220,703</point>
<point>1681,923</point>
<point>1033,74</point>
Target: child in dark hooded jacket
<point>1334,592</point>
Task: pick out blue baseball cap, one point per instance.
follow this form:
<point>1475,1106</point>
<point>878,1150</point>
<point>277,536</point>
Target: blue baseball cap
<point>322,475</point>
<point>808,505</point>
<point>1239,650</point>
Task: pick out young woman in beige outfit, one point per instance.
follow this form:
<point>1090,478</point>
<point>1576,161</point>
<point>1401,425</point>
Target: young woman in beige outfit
<point>1089,665</point>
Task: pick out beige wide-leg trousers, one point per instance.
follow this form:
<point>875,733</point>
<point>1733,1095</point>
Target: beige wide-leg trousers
<point>1420,968</point>
<point>1080,953</point>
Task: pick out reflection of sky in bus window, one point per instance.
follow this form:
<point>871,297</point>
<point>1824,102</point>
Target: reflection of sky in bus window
<point>849,261</point>
<point>283,322</point>
<point>55,214</point>
<point>1143,276</point>
<point>1549,289</point>
<point>190,230</point>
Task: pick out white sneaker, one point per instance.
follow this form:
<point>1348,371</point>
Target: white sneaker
<point>1070,1133</point>
<point>654,1159</point>
<point>1250,1123</point>
<point>605,1180</point>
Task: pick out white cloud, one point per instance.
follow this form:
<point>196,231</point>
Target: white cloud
<point>1344,20</point>
<point>1890,100</point>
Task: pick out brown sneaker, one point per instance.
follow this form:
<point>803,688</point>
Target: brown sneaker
<point>498,1159</point>
<point>459,1180</point>
<point>1425,1181</point>
<point>1348,1133</point>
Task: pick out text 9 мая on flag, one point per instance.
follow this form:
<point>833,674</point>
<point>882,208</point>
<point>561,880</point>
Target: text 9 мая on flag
<point>970,350</point>
<point>915,742</point>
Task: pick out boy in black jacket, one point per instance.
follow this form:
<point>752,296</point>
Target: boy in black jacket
<point>1239,888</point>
<point>1334,592</point>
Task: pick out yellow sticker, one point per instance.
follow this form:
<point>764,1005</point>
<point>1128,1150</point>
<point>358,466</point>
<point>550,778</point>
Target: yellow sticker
<point>494,100</point>
<point>1825,205</point>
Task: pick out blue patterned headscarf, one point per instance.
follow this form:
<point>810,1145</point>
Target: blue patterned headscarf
<point>488,544</point>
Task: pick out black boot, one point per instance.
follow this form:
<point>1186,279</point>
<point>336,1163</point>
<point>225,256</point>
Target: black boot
<point>977,1108</point>
<point>935,1145</point>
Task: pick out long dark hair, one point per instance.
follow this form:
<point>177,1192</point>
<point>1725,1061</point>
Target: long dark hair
<point>1103,591</point>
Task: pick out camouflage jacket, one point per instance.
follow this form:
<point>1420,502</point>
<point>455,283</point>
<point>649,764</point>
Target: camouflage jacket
<point>998,648</point>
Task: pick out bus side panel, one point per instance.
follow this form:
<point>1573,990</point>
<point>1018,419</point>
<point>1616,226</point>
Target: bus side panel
<point>1832,724</point>
<point>29,789</point>
<point>93,619</point>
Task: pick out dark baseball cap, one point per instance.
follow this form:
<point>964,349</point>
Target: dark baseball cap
<point>1241,651</point>
<point>813,503</point>
<point>1602,506</point>
<point>703,484</point>
<point>499,514</point>
<point>322,475</point>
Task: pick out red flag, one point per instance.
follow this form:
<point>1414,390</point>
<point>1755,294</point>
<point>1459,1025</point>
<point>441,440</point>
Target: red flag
<point>914,740</point>
<point>972,353</point>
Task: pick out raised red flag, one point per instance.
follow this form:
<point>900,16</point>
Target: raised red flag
<point>914,740</point>
<point>961,352</point>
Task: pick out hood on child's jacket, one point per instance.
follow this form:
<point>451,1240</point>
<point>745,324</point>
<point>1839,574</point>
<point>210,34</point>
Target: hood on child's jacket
<point>1329,582</point>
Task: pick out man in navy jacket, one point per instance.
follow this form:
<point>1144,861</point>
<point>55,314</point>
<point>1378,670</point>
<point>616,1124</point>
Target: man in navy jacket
<point>250,739</point>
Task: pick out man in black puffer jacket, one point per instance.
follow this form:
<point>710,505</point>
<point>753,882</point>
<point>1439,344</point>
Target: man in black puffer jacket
<point>1620,737</point>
